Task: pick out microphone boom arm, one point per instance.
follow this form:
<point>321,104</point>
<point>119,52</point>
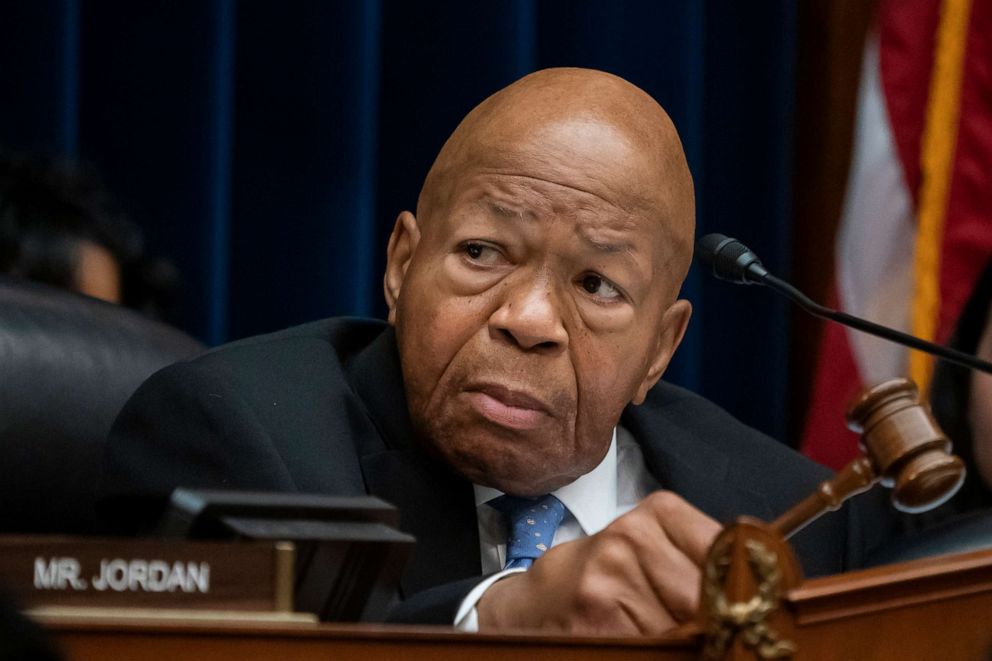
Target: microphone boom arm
<point>866,326</point>
<point>731,260</point>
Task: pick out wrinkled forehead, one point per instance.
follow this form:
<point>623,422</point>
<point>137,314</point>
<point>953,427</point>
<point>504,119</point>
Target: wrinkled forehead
<point>579,153</point>
<point>587,130</point>
<point>585,164</point>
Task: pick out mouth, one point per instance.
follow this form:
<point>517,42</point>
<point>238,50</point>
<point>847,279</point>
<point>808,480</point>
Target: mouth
<point>508,407</point>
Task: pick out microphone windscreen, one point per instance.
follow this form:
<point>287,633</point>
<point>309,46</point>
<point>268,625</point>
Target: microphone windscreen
<point>728,258</point>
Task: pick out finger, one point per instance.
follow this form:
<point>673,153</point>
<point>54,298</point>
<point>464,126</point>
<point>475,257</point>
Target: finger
<point>611,592</point>
<point>663,572</point>
<point>672,575</point>
<point>689,530</point>
<point>647,621</point>
<point>675,580</point>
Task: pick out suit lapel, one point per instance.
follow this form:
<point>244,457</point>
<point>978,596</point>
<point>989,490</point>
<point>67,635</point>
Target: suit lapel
<point>691,466</point>
<point>436,506</point>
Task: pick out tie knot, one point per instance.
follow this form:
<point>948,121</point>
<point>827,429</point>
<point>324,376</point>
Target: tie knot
<point>531,524</point>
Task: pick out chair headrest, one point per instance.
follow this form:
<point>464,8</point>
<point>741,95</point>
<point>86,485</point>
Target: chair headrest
<point>67,365</point>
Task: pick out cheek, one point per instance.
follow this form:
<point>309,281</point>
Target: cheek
<point>604,393</point>
<point>432,325</point>
<point>614,363</point>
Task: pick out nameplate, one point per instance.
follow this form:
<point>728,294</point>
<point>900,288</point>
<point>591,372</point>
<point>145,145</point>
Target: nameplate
<point>147,573</point>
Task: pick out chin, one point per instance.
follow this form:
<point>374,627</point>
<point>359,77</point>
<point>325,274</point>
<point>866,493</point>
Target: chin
<point>519,463</point>
<point>529,490</point>
<point>509,478</point>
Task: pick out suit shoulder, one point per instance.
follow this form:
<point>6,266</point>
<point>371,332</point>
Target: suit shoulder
<point>340,337</point>
<point>694,411</point>
<point>294,367</point>
<point>302,354</point>
<point>256,413</point>
<point>708,423</point>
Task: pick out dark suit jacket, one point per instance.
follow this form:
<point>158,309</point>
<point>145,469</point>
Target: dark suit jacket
<point>320,408</point>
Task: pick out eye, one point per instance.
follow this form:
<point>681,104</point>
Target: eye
<point>600,287</point>
<point>481,253</point>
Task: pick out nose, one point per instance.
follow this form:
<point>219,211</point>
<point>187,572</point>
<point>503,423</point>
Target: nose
<point>530,317</point>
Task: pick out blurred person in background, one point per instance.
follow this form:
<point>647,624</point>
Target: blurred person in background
<point>59,226</point>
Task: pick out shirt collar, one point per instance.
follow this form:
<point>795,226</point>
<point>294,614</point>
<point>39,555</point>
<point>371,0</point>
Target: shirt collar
<point>591,498</point>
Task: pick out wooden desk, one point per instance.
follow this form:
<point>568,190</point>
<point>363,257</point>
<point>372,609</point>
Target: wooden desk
<point>89,639</point>
<point>936,608</point>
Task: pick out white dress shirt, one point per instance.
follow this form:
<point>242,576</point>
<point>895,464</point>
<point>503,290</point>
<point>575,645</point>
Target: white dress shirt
<point>592,502</point>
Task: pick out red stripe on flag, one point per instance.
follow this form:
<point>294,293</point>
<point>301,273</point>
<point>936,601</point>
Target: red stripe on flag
<point>907,36</point>
<point>826,439</point>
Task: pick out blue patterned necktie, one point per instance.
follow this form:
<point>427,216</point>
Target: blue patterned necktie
<point>531,524</point>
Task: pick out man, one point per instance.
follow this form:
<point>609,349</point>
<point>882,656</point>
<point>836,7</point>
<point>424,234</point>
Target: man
<point>533,305</point>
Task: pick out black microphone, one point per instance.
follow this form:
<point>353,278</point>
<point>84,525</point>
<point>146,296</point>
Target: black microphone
<point>729,259</point>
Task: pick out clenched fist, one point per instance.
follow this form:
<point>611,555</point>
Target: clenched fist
<point>640,575</point>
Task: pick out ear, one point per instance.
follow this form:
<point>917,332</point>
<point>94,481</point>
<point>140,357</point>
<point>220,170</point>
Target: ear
<point>672,329</point>
<point>402,245</point>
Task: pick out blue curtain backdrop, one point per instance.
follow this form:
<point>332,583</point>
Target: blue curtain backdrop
<point>267,146</point>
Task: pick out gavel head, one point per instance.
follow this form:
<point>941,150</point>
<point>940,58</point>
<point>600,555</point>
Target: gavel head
<point>908,449</point>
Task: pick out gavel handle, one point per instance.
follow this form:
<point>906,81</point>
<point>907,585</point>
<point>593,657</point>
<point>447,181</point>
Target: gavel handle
<point>857,477</point>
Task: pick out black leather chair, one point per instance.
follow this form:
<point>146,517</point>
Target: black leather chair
<point>67,365</point>
<point>966,532</point>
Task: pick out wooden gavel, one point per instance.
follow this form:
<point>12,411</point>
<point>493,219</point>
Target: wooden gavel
<point>750,567</point>
<point>902,447</point>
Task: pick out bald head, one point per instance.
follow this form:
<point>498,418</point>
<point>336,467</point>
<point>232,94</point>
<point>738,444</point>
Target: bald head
<point>571,119</point>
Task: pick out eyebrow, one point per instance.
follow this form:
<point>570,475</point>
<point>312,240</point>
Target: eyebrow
<point>599,246</point>
<point>503,212</point>
<point>606,247</point>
